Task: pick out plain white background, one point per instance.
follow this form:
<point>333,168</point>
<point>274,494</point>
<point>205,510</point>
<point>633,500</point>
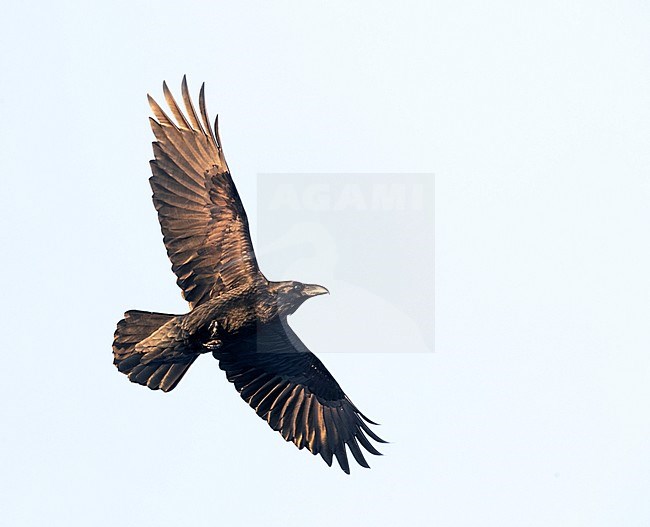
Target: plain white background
<point>535,118</point>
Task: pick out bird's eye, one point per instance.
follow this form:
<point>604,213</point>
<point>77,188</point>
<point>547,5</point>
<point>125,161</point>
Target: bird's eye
<point>297,287</point>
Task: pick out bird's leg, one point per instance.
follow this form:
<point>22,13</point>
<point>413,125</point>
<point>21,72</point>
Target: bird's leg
<point>213,329</point>
<point>214,342</point>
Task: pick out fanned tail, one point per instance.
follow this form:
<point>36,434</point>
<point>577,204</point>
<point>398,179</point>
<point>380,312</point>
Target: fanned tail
<point>152,349</point>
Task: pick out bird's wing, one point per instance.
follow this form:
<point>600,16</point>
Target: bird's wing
<point>203,220</point>
<point>293,392</point>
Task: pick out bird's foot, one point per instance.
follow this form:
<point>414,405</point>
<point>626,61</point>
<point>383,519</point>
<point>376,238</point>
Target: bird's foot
<point>212,345</point>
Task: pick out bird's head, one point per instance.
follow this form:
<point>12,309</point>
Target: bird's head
<point>290,295</point>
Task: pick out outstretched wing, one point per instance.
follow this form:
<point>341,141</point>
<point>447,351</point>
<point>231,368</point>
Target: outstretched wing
<point>293,392</point>
<point>203,221</point>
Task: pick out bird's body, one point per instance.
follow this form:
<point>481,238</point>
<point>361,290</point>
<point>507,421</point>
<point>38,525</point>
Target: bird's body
<point>235,312</point>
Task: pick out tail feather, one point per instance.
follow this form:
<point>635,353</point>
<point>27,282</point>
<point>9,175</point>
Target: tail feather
<point>152,350</point>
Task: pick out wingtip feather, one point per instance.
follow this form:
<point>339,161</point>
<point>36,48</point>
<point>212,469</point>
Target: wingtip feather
<point>189,106</point>
<point>181,120</point>
<point>204,114</point>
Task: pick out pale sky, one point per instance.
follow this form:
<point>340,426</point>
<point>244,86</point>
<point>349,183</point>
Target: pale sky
<point>535,119</point>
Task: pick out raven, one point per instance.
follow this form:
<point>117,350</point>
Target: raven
<point>235,312</point>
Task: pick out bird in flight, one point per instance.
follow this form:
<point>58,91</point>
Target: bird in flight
<point>235,312</point>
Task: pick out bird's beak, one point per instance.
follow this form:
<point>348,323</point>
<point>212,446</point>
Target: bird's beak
<point>315,290</point>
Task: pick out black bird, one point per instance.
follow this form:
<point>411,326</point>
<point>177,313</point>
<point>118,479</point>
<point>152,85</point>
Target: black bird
<point>235,312</point>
